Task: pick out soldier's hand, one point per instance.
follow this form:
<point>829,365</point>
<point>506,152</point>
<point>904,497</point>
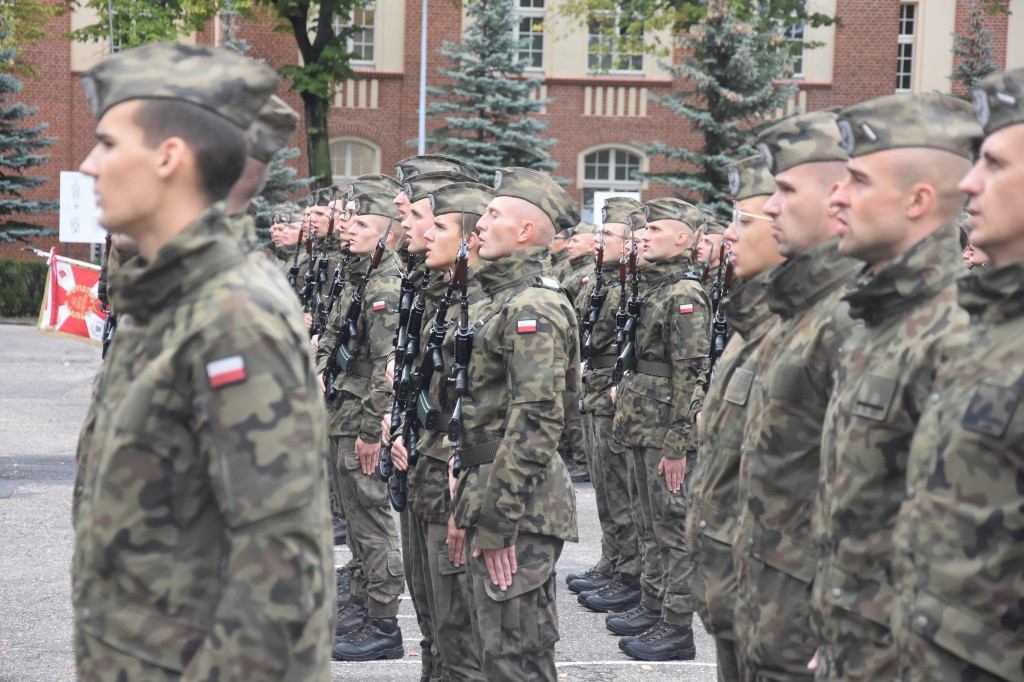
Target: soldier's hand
<point>308,320</point>
<point>389,372</point>
<point>613,394</point>
<point>320,380</point>
<point>813,663</point>
<point>501,564</point>
<point>674,471</point>
<point>696,419</point>
<point>399,455</point>
<point>314,343</point>
<point>453,482</point>
<point>456,544</point>
<point>368,455</point>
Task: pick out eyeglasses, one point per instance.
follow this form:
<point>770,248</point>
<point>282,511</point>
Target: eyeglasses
<point>738,215</point>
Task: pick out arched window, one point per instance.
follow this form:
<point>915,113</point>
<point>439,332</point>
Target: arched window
<point>353,156</point>
<point>609,169</point>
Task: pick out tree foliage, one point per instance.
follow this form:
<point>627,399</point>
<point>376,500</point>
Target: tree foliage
<point>489,108</point>
<point>137,23</point>
<point>24,24</point>
<point>974,47</point>
<point>735,67</point>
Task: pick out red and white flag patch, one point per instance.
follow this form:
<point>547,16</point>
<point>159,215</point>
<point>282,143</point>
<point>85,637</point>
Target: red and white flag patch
<point>229,370</point>
<point>586,279</point>
<point>379,305</point>
<point>686,309</point>
<point>526,326</point>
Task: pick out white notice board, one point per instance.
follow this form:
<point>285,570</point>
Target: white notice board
<point>79,215</point>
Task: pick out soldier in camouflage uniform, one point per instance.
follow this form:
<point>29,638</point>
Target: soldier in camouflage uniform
<point>713,484</point>
<point>427,163</point>
<point>581,259</point>
<point>615,579</point>
<point>653,419</point>
<point>774,549</point>
<point>559,252</point>
<point>284,233</point>
<point>367,625</point>
<point>959,554</point>
<point>514,496</point>
<point>906,151</point>
<point>202,537</point>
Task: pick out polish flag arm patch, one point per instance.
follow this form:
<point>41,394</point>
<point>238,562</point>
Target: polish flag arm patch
<point>379,305</point>
<point>586,279</point>
<point>229,370</point>
<point>526,326</point>
<point>686,309</point>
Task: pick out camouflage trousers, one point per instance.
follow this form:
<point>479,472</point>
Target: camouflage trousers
<point>419,593</point>
<point>665,514</point>
<point>373,534</point>
<point>336,467</point>
<point>98,661</point>
<point>516,630</point>
<point>606,461</point>
<point>714,596</point>
<point>652,584</point>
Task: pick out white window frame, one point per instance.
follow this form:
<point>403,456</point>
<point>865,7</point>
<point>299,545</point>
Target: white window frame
<point>349,173</point>
<point>527,9</point>
<point>906,41</point>
<point>589,186</point>
<point>614,58</point>
<point>797,33</point>
<point>353,40</point>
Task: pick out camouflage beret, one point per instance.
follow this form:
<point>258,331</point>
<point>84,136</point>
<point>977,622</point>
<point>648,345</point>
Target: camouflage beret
<point>426,163</point>
<point>926,120</point>
<point>999,100</point>
<point>620,209</point>
<point>749,177</point>
<point>541,191</point>
<point>564,234</point>
<point>808,138</point>
<point>420,185</point>
<point>583,228</point>
<point>712,225</point>
<point>270,131</point>
<point>375,203</point>
<point>224,82</point>
<point>670,208</point>
<point>285,213</point>
<point>373,182</point>
<point>460,197</point>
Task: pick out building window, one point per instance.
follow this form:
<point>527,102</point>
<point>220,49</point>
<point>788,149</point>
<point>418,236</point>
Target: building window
<point>352,157</point>
<point>606,31</point>
<point>609,170</point>
<point>360,43</point>
<point>795,35</point>
<point>529,32</point>
<point>905,47</point>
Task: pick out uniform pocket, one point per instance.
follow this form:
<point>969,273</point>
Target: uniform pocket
<point>738,389</point>
<point>874,396</point>
<point>991,409</point>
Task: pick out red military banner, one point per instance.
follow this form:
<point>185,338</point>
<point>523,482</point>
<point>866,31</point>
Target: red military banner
<point>71,307</point>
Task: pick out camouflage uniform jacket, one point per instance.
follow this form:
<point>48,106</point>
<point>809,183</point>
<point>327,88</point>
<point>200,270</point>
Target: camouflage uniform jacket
<point>363,394</point>
<point>794,379</point>
<point>525,359</point>
<point>578,273</point>
<point>652,402</point>
<point>713,487</point>
<point>303,265</point>
<point>960,535</point>
<point>598,384</point>
<point>883,379</point>
<point>559,264</point>
<point>200,512</point>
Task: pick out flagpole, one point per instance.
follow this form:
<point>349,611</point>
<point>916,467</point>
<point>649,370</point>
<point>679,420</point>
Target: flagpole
<point>423,82</point>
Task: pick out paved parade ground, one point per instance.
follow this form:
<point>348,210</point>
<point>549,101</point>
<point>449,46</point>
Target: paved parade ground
<point>45,382</point>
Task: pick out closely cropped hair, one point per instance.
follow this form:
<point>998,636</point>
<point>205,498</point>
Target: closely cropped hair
<point>219,146</point>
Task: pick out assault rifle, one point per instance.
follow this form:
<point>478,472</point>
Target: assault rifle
<point>463,336</point>
<point>293,273</point>
<point>707,266</point>
<point>720,326</point>
<point>306,294</point>
<point>717,293</point>
<point>625,336</point>
<point>321,272</point>
<point>110,321</point>
<point>594,304</point>
<point>333,294</point>
<point>341,358</point>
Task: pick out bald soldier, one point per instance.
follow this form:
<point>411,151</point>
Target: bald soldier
<point>201,514</point>
<point>958,538</point>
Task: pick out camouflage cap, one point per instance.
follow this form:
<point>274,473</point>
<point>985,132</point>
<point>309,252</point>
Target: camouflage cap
<point>285,213</point>
<point>324,197</point>
<point>712,225</point>
<point>375,203</point>
<point>539,190</point>
<point>583,228</point>
<point>670,208</point>
<point>620,209</point>
<point>749,177</point>
<point>270,131</point>
<point>426,163</point>
<point>373,182</point>
<point>808,138</point>
<point>224,82</point>
<point>927,120</point>
<point>999,100</point>
<point>460,197</point>
<point>420,185</point>
<point>564,234</point>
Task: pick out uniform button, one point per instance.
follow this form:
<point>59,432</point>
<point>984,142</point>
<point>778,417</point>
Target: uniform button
<point>821,564</point>
<point>836,592</point>
<point>835,394</point>
<point>921,622</point>
<point>897,587</point>
<point>743,449</point>
<point>822,479</point>
<point>703,524</point>
<point>910,492</point>
<point>750,542</point>
<point>935,397</point>
<point>840,351</point>
<point>86,614</point>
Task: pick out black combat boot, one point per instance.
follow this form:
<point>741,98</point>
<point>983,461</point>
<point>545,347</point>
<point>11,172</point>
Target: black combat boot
<point>634,622</point>
<point>351,617</point>
<point>663,642</point>
<point>582,574</point>
<point>616,597</point>
<point>591,583</point>
<point>379,638</point>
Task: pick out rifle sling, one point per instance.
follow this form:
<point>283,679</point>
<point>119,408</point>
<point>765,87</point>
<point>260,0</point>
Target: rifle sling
<point>479,454</point>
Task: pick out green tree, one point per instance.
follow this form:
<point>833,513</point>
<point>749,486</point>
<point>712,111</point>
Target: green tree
<point>733,66</point>
<point>974,47</point>
<point>489,112</point>
<point>136,23</point>
<point>25,24</point>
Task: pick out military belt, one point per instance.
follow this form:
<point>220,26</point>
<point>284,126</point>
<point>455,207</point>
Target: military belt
<point>479,454</point>
<point>603,361</point>
<point>362,369</point>
<point>656,369</point>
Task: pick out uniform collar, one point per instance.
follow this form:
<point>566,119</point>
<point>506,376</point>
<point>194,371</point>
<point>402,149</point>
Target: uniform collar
<point>799,282</point>
<point>747,304</point>
<point>513,269</point>
<point>993,295</point>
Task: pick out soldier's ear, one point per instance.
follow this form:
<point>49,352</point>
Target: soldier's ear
<point>920,200</point>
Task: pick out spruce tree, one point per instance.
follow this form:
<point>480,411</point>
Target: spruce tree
<point>733,67</point>
<point>488,110</point>
<point>974,47</point>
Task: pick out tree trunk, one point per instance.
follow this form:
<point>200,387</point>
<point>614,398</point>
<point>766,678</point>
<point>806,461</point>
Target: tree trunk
<point>318,138</point>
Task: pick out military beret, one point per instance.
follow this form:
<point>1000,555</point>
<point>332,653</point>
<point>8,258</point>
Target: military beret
<point>583,228</point>
<point>425,163</point>
<point>749,177</point>
<point>373,182</point>
<point>285,213</point>
<point>224,82</point>
<point>375,203</point>
<point>541,191</point>
<point>460,197</point>
<point>670,208</point>
<point>927,120</point>
<point>420,185</point>
<point>620,209</point>
<point>325,196</point>
<point>808,138</point>
<point>999,100</point>
<point>270,131</point>
<point>712,225</point>
<point>563,234</point>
